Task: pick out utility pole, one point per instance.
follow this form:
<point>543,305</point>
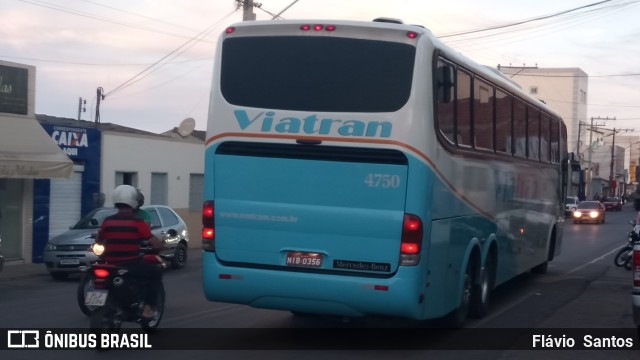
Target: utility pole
<point>81,107</point>
<point>590,172</point>
<point>99,96</point>
<point>247,9</point>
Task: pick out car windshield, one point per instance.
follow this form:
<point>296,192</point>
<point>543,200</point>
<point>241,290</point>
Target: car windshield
<point>569,201</point>
<point>99,215</point>
<point>589,205</point>
<point>612,199</point>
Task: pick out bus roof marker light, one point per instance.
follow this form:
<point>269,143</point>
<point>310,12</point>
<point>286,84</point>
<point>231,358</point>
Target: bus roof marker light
<point>330,28</point>
<point>412,34</point>
<point>305,27</point>
<point>230,30</point>
<point>318,27</point>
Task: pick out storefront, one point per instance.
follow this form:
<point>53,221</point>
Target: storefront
<point>60,203</point>
<point>26,153</point>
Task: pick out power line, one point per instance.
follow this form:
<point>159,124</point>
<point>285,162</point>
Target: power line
<point>100,18</point>
<point>139,76</point>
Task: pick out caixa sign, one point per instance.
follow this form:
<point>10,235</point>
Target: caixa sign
<point>74,141</point>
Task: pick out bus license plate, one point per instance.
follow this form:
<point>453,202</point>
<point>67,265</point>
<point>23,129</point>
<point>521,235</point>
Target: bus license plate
<point>96,297</point>
<point>304,259</point>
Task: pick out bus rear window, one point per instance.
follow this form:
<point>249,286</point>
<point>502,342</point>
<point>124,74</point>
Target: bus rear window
<point>316,73</point>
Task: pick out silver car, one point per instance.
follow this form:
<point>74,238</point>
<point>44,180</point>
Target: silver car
<point>67,252</point>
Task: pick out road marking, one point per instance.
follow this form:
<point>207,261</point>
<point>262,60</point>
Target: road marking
<point>537,292</point>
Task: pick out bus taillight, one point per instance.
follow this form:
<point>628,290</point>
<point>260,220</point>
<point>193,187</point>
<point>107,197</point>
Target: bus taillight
<point>208,226</point>
<point>636,267</point>
<point>411,240</point>
<point>317,27</point>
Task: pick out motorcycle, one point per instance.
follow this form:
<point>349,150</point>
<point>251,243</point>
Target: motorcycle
<point>624,256</point>
<point>86,280</point>
<point>114,297</point>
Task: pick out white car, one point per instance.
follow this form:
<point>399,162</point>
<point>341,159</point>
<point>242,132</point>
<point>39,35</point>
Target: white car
<point>570,205</point>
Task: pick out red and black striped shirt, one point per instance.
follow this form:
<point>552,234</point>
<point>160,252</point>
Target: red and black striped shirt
<point>122,235</point>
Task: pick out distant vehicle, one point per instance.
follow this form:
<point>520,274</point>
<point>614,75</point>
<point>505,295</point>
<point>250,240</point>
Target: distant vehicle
<point>570,205</point>
<point>589,211</point>
<point>67,252</point>
<point>612,203</point>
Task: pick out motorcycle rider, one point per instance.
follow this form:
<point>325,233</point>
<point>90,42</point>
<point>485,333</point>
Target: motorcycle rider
<point>142,213</point>
<point>125,237</point>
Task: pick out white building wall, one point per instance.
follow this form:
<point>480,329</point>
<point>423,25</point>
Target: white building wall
<point>145,155</point>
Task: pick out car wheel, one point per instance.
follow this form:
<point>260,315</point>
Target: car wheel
<point>59,275</point>
<point>179,257</point>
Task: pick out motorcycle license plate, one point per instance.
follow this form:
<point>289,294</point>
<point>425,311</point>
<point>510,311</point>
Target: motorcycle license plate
<point>96,297</point>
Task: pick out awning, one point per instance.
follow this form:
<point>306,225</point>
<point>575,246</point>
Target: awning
<point>28,152</point>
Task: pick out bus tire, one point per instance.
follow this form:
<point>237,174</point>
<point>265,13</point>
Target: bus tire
<point>481,292</point>
<point>541,269</point>
<point>458,317</point>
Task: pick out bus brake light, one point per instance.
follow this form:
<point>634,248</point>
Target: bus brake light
<point>411,240</point>
<point>208,226</point>
<point>317,27</point>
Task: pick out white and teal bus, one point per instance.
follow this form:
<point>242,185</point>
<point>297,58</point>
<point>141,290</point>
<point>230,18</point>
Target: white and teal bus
<point>365,168</point>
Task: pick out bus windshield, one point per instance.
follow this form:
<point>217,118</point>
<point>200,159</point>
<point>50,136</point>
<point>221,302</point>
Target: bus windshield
<point>317,73</point>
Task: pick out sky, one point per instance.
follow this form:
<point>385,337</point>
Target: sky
<point>154,58</point>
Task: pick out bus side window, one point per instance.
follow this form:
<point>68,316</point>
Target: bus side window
<point>463,108</point>
<point>445,81</point>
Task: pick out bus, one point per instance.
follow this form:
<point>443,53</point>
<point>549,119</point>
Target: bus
<point>359,168</point>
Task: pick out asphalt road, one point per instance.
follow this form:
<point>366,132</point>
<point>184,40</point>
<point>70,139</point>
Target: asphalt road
<point>582,289</point>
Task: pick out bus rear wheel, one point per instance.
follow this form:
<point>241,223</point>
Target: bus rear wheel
<point>458,317</point>
<point>481,293</point>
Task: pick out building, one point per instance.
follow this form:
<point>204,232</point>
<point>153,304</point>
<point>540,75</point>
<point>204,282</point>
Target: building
<point>27,154</point>
<point>168,168</point>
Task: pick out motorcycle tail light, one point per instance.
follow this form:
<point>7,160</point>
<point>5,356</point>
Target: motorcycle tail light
<point>101,273</point>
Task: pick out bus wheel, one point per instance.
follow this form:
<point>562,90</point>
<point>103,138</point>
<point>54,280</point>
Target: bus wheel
<point>481,293</point>
<point>458,317</point>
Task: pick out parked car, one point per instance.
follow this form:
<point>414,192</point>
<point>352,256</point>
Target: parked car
<point>67,252</point>
<point>570,205</point>
<point>589,211</point>
<point>612,203</point>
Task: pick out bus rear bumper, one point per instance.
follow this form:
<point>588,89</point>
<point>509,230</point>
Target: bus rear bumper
<point>303,292</point>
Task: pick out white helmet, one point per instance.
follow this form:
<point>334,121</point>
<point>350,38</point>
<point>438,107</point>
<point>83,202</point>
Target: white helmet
<point>125,194</point>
